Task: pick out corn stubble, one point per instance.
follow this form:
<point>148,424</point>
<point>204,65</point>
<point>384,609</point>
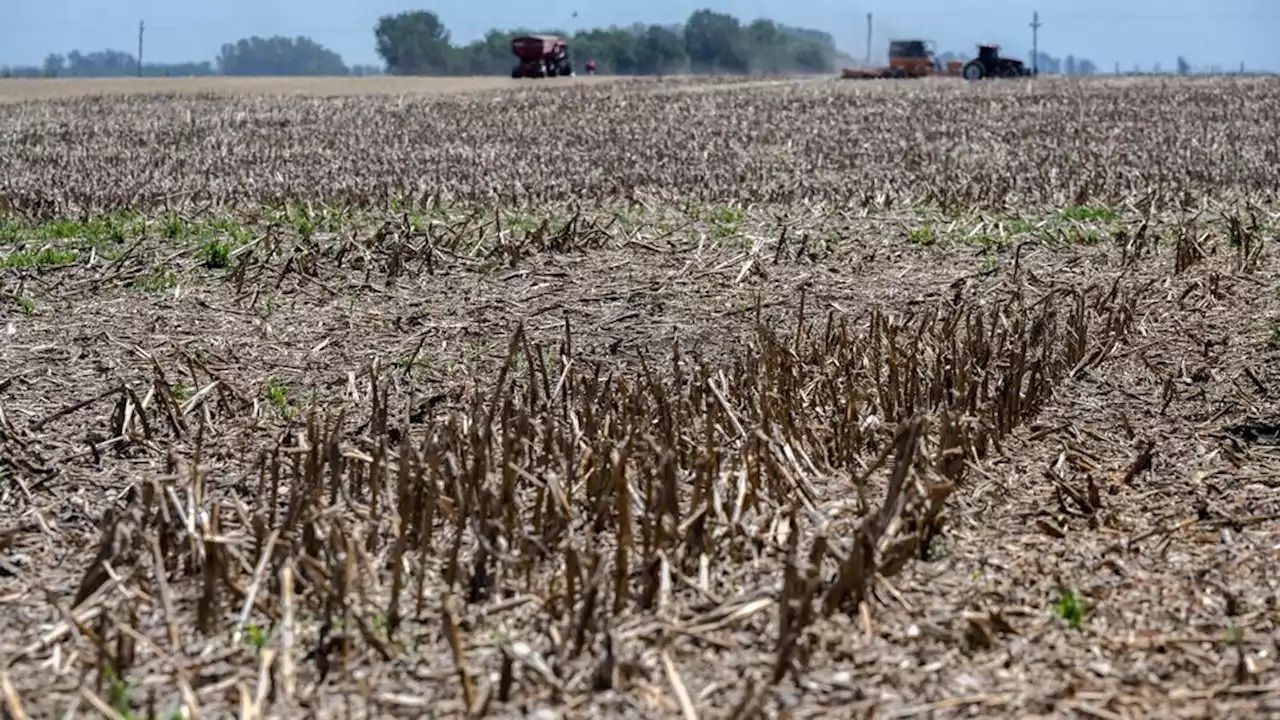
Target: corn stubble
<point>598,504</point>
<point>953,145</point>
<point>760,524</point>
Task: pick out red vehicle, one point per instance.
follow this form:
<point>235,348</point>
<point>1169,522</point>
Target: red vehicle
<point>540,56</point>
<point>591,66</point>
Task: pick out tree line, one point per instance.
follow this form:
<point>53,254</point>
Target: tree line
<point>418,43</point>
<point>248,56</point>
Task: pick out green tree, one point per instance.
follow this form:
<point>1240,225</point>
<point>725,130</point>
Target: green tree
<point>54,65</point>
<point>279,56</point>
<point>660,51</point>
<point>414,43</point>
<point>614,50</point>
<point>714,42</point>
<point>769,45</point>
<point>491,55</point>
<point>101,63</point>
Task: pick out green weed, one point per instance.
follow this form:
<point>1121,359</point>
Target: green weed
<point>302,220</point>
<point>1090,213</point>
<point>45,257</point>
<point>268,306</point>
<point>278,396</point>
<point>1018,226</point>
<point>118,693</point>
<point>226,229</point>
<point>217,254</point>
<point>173,227</point>
<point>10,229</point>
<point>257,636</point>
<point>522,222</point>
<point>727,220</point>
<point>112,227</point>
<point>923,235</point>
<point>1071,608</point>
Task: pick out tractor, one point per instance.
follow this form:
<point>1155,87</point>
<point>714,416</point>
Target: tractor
<point>907,59</point>
<point>541,56</point>
<point>990,64</point>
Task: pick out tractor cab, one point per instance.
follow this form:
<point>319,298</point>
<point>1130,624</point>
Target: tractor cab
<point>989,63</point>
<point>912,58</point>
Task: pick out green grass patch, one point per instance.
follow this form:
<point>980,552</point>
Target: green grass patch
<point>173,226</point>
<point>44,257</point>
<point>924,235</point>
<point>1016,226</point>
<point>10,229</point>
<point>1090,213</point>
<point>987,241</point>
<point>112,227</point>
<point>26,305</point>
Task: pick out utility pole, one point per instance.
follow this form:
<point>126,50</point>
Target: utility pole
<point>1035,42</point>
<point>141,29</point>
<point>868,39</point>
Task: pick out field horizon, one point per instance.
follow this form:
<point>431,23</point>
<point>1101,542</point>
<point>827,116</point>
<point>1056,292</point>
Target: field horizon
<point>19,89</point>
<point>23,89</point>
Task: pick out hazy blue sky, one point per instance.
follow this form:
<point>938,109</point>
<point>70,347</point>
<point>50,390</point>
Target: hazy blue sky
<point>1226,32</point>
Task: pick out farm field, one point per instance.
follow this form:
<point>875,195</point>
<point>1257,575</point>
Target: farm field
<point>627,398</point>
<point>18,90</point>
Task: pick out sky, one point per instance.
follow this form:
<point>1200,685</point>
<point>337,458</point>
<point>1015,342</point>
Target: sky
<point>1130,32</point>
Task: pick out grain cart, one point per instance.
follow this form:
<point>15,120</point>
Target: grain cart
<point>540,56</point>
<point>990,64</point>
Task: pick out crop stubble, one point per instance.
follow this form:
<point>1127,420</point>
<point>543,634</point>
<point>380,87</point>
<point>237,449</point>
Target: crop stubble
<point>796,397</point>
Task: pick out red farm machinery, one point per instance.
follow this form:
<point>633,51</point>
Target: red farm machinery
<point>541,56</point>
<point>916,58</point>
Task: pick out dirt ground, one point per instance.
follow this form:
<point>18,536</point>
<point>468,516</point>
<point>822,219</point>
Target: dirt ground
<point>1008,451</point>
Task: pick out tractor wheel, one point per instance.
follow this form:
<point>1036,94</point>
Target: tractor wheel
<point>973,70</point>
<point>566,68</point>
<point>515,72</point>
